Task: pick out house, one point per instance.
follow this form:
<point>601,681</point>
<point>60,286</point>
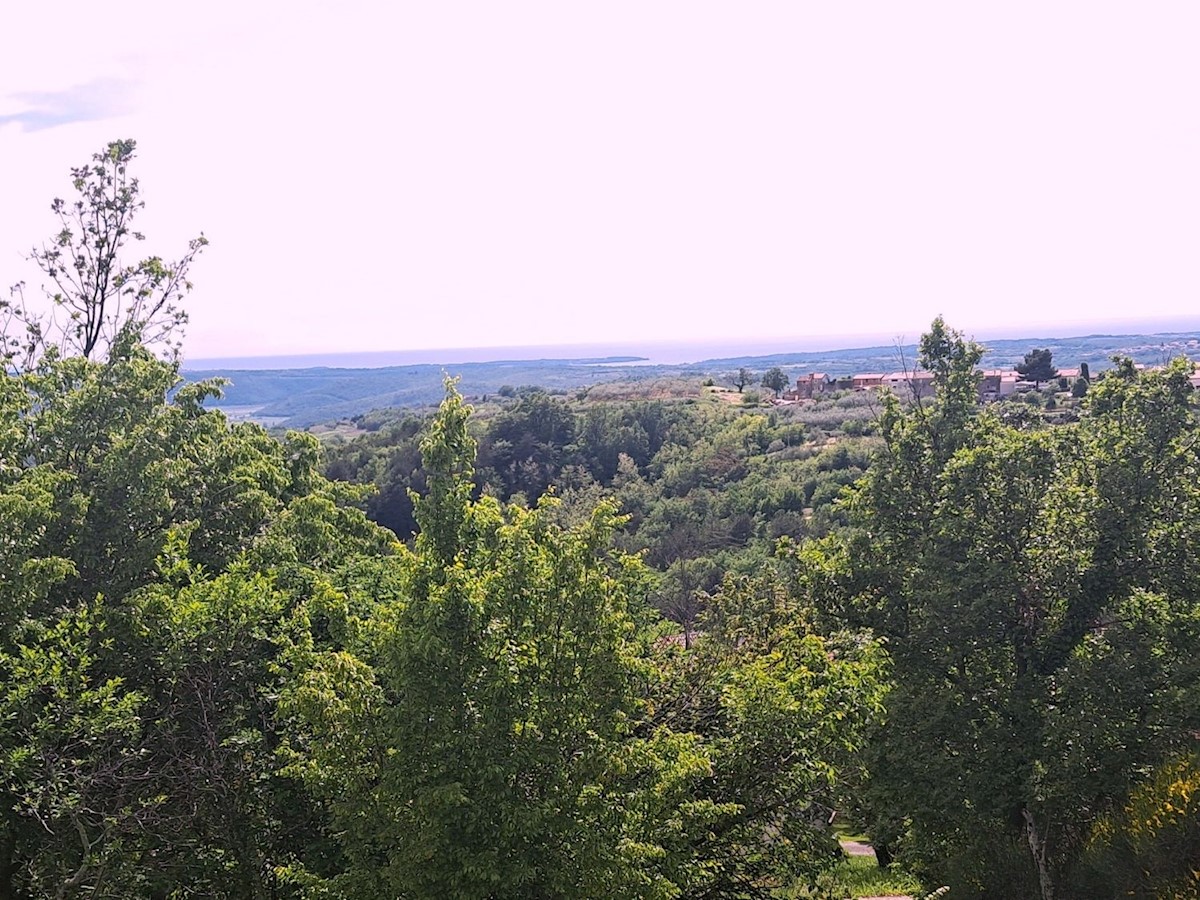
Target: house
<point>867,380</point>
<point>841,383</point>
<point>996,384</point>
<point>915,384</point>
<point>811,385</point>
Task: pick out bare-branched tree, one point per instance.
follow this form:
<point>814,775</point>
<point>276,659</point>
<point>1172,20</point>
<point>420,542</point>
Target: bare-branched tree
<point>93,296</point>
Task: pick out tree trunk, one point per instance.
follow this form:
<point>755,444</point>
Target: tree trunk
<point>1037,847</point>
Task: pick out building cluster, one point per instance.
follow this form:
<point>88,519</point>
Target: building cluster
<point>994,384</point>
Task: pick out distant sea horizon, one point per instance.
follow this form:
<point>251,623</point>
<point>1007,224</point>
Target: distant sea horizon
<point>661,352</point>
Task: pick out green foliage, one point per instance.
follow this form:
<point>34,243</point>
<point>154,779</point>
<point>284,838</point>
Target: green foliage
<point>137,644</point>
<point>470,736</point>
<point>488,715</point>
<point>464,734</point>
<point>854,876</point>
<point>1038,366</point>
<point>714,487</point>
<point>525,446</point>
<point>1033,588</point>
<point>784,708</point>
<point>774,379</point>
<point>69,733</point>
<point>1149,847</point>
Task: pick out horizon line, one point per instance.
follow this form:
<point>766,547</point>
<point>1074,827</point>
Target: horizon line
<point>630,351</point>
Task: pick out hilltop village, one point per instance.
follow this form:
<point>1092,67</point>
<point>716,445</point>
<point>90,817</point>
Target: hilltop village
<point>994,384</point>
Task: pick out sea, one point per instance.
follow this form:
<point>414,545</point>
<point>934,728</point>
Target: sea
<point>665,352</point>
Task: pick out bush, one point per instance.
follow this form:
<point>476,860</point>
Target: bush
<point>1150,847</point>
<point>786,524</point>
<point>827,486</point>
<point>858,427</point>
<point>995,869</point>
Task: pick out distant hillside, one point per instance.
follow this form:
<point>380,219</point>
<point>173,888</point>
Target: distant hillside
<point>302,397</point>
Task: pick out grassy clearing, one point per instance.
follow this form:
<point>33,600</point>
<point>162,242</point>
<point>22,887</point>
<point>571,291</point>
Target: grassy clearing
<point>857,876</point>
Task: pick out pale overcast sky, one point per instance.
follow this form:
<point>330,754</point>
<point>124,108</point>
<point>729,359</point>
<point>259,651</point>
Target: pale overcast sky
<point>402,175</point>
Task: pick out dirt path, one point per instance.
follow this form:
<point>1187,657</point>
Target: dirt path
<point>857,848</point>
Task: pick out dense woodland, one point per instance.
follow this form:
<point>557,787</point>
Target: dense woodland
<point>580,646</point>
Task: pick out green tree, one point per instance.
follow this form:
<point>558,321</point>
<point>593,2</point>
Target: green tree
<point>1038,366</point>
<point>151,557</point>
<point>94,294</point>
<point>782,709</point>
<point>996,562</point>
<point>743,377</point>
<point>491,714</point>
<point>464,736</point>
<point>1148,847</point>
<point>525,447</point>
<point>774,379</point>
<point>138,635</point>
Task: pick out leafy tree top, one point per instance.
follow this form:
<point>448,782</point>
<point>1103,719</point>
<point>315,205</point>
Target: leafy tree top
<point>775,379</point>
<point>1038,366</point>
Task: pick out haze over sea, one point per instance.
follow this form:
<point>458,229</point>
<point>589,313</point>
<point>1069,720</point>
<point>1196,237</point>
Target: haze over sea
<point>636,352</point>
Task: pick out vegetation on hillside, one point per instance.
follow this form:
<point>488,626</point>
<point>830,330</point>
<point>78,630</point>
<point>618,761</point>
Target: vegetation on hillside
<point>592,647</point>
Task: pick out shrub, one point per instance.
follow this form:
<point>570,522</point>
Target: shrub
<point>1150,847</point>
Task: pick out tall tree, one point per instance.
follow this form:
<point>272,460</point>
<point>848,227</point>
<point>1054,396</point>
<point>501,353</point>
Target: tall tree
<point>151,558</point>
<point>775,379</point>
<point>460,735</point>
<point>1038,366</point>
<point>1013,572</point>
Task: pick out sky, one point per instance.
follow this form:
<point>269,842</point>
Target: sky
<point>411,175</point>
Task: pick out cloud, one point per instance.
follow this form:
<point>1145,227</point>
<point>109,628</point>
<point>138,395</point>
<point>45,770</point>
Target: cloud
<point>100,98</point>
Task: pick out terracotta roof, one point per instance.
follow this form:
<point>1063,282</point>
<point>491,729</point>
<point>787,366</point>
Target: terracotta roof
<point>910,376</point>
